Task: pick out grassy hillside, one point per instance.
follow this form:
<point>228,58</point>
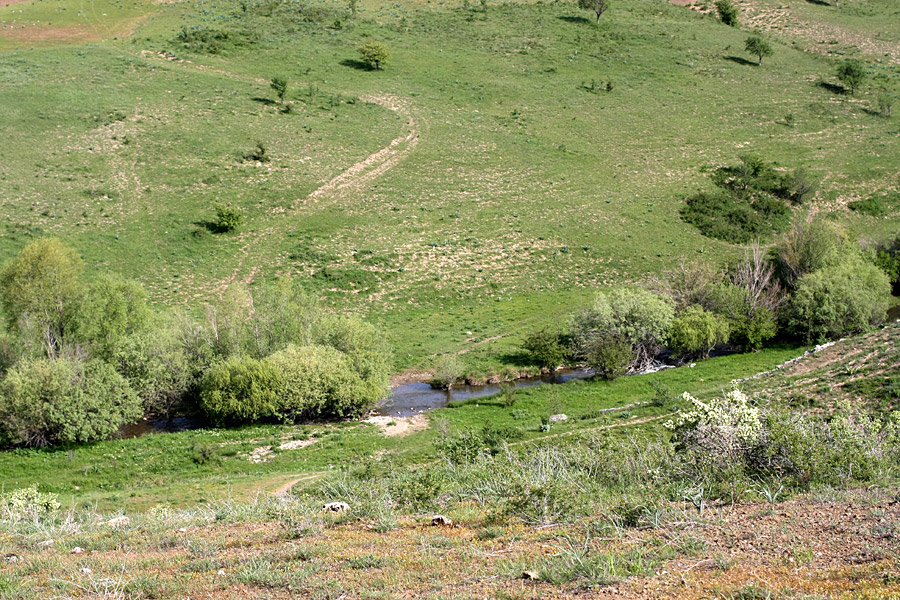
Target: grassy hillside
<point>483,182</point>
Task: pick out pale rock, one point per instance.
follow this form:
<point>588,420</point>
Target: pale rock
<point>77,550</point>
<point>559,417</point>
<point>441,521</point>
<point>337,507</point>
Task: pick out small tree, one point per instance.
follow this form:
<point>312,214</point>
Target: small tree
<point>609,355</point>
<point>758,46</point>
<point>695,332</point>
<point>280,85</point>
<point>228,216</point>
<point>545,348</point>
<point>446,372</point>
<point>598,6</point>
<point>374,54</point>
<point>728,12</point>
<point>852,73</point>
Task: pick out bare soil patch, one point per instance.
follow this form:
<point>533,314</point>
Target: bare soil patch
<point>399,426</point>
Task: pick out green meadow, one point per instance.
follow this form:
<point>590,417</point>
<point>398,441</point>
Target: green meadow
<point>509,159</point>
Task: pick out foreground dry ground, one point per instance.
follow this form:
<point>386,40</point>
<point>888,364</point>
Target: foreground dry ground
<point>840,545</point>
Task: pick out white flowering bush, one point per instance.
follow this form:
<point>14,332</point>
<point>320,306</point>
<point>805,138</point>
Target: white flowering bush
<point>721,428</point>
<point>27,504</point>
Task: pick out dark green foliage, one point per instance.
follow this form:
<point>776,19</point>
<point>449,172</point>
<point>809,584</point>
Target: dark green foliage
<point>259,154</point>
<point>852,73</point>
<point>758,46</point>
<point>597,6</point>
<point>280,86</point>
<point>718,215</point>
<point>50,401</point>
<point>876,205</point>
<point>156,367</point>
<point>374,54</point>
<point>204,40</point>
<point>750,201</point>
<point>806,247</point>
<point>609,355</point>
<point>228,217</point>
<point>545,348</point>
<point>885,254</point>
<point>728,12</point>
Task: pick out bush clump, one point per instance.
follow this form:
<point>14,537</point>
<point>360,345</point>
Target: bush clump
<point>695,332</point>
<point>50,401</point>
<point>545,348</point>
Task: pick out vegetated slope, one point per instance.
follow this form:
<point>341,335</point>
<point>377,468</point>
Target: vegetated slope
<point>526,181</point>
<point>862,370</point>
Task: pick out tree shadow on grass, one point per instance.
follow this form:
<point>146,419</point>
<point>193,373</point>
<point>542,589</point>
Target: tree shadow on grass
<point>356,64</point>
<point>266,101</point>
<point>518,359</point>
<point>581,20</point>
<point>819,2</point>
<point>834,89</point>
<point>741,61</point>
<point>208,226</point>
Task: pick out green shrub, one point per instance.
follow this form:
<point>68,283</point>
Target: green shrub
<point>758,46</point>
<point>374,54</point>
<point>50,401</point>
<point>807,247</point>
<point>728,12</point>
<point>40,291</point>
<point>319,381</point>
<point>838,300</point>
<point>156,367</point>
<point>718,215</point>
<point>27,504</point>
<point>299,382</point>
<point>608,354</point>
<point>241,390</point>
<point>623,316</point>
<point>545,348</point>
<point>852,73</point>
<point>695,332</point>
<point>110,310</point>
<point>228,216</point>
<point>873,206</point>
<point>447,371</point>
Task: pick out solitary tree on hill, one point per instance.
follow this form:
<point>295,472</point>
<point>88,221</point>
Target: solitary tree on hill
<point>374,54</point>
<point>758,46</point>
<point>851,73</point>
<point>279,84</point>
<point>598,6</point>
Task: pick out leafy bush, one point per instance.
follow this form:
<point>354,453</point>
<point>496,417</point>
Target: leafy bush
<point>758,47</point>
<point>718,215</point>
<point>49,401</point>
<point>728,12</point>
<point>838,300</point>
<point>852,73</point>
<point>27,504</point>
<point>807,247</point>
<point>156,367</point>
<point>873,206</point>
<point>608,354</point>
<point>319,381</point>
<point>228,216</point>
<point>695,332</point>
<point>545,348</point>
<point>374,54</point>
<point>241,390</point>
<point>296,383</point>
<point>446,372</point>
<point>40,290</point>
<point>638,317</point>
<point>110,310</point>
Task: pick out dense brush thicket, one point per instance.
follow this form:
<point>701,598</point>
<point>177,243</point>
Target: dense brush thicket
<point>81,356</point>
<point>814,285</point>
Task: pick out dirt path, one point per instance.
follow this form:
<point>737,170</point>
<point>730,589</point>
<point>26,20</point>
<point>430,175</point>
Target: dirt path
<point>286,486</point>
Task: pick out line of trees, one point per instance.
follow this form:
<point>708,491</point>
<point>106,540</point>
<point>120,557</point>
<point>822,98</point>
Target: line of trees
<point>82,354</point>
<point>814,285</point>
